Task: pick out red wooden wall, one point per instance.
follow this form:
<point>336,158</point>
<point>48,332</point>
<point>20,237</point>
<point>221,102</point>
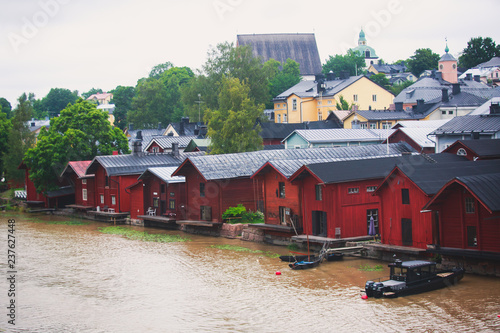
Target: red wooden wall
<point>136,200</point>
<point>400,136</point>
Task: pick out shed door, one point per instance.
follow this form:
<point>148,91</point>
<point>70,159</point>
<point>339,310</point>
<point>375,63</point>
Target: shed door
<point>319,223</point>
<point>406,232</point>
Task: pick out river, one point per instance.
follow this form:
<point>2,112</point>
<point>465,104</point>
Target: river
<point>74,278</point>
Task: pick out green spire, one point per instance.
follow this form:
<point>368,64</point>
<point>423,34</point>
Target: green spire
<point>446,49</point>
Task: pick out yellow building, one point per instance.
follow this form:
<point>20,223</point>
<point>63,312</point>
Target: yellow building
<point>312,101</point>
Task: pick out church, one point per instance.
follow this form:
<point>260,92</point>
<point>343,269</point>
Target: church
<point>366,51</point>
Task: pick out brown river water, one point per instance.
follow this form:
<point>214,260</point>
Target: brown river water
<point>73,278</point>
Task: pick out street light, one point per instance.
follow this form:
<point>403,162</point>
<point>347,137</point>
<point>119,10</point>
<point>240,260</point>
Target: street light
<point>199,107</point>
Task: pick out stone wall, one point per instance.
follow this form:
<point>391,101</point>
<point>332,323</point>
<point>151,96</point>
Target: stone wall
<point>252,235</point>
<point>232,230</point>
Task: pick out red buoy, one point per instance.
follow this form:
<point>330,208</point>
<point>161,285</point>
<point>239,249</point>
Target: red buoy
<point>278,273</point>
<point>364,297</point>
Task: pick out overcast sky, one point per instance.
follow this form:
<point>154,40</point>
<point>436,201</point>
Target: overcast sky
<point>77,44</point>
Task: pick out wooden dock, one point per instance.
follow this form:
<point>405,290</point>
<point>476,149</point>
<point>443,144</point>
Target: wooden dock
<point>114,217</point>
<point>199,223</point>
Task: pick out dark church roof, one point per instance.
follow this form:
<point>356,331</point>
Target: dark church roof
<point>299,47</point>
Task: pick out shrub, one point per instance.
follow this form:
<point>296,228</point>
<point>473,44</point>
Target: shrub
<point>239,214</point>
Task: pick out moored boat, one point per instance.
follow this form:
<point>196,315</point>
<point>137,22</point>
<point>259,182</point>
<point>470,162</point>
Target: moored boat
<point>303,257</point>
<point>304,264</point>
<point>412,277</point>
<point>336,256</point>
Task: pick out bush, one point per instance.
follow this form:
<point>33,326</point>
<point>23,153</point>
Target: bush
<point>239,214</point>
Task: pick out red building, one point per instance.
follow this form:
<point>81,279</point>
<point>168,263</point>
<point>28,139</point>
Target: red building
<point>484,149</point>
<point>469,210</point>
<point>415,137</point>
<point>405,192</point>
<point>158,191</point>
<point>82,184</point>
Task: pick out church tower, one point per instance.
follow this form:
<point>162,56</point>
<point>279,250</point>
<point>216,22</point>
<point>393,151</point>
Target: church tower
<point>448,67</point>
<point>365,51</point>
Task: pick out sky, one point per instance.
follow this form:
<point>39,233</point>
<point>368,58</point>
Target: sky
<point>79,45</point>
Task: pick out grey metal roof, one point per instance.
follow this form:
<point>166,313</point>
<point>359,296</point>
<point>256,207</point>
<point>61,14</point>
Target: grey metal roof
<point>421,136</point>
<point>468,124</point>
<point>299,47</point>
<point>493,62</point>
<point>342,135</point>
<point>485,107</point>
<point>228,166</point>
<point>463,99</point>
<point>147,136</point>
<point>483,148</point>
<point>163,173</point>
<point>271,130</point>
<point>136,164</point>
<point>431,178</point>
<point>165,142</point>
<point>305,89</point>
<point>486,187</point>
<point>421,124</point>
<point>389,115</point>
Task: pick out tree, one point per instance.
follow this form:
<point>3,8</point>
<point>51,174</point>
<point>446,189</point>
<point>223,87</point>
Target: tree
<point>281,80</point>
<point>6,107</point>
<point>57,99</point>
<point>5,126</point>
<point>422,60</point>
<point>81,132</point>
<point>232,127</point>
<point>343,104</point>
<point>122,98</point>
<point>478,50</point>
<point>351,62</point>
<point>381,80</point>
<point>20,138</point>
<point>157,70</point>
<point>91,92</point>
<point>398,88</point>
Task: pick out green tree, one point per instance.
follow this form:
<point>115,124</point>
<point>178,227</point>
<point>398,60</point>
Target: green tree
<point>232,127</point>
<point>6,107</point>
<point>281,80</point>
<point>57,99</point>
<point>342,104</point>
<point>351,62</point>
<point>478,50</point>
<point>422,60</point>
<point>20,138</point>
<point>194,96</point>
<point>381,80</point>
<point>157,70</point>
<point>81,132</point>
<point>397,88</point>
<point>91,92</point>
<point>5,126</point>
<point>122,98</point>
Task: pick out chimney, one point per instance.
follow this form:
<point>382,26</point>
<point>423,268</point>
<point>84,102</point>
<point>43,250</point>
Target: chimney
<point>185,120</point>
<point>330,76</point>
<point>344,75</point>
<point>182,131</point>
<point>495,108</point>
<point>203,131</point>
<point>456,89</point>
<point>468,77</point>
<point>439,75</point>
<point>130,127</point>
<point>399,106</point>
<point>477,78</point>
<point>137,144</point>
<point>159,126</point>
<point>355,123</point>
<point>175,149</point>
<point>420,105</point>
<point>444,95</point>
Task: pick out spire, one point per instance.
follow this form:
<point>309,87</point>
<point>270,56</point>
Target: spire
<point>447,49</point>
<point>362,39</point>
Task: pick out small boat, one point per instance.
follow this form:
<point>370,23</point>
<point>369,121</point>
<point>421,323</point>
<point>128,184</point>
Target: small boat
<point>336,256</point>
<point>301,257</point>
<point>412,277</point>
<point>304,264</point>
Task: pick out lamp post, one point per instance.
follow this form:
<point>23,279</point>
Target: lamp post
<point>199,107</point>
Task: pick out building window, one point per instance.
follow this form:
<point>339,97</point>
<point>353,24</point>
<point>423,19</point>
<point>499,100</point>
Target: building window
<point>84,194</point>
<point>102,198</point>
<point>405,196</point>
<point>113,200</point>
<point>371,188</point>
<point>373,126</point>
<point>155,149</point>
<point>278,120</point>
<point>171,204</point>
<point>353,190</point>
<point>374,98</point>
<point>443,112</point>
<point>284,118</point>
<point>84,181</point>
<point>386,125</point>
<point>372,213</point>
<point>319,102</point>
<point>461,152</point>
<point>205,213</point>
<point>319,192</point>
<point>172,194</point>
<point>450,112</point>
<point>441,67</point>
<point>330,101</point>
<point>156,202</point>
<point>363,125</point>
<point>281,190</point>
<point>202,190</point>
<point>294,104</point>
<point>320,116</point>
<point>469,206</point>
<point>471,236</point>
<point>355,98</point>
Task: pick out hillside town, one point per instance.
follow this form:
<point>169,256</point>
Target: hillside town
<point>415,173</point>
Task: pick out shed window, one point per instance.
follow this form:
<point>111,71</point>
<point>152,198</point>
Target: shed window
<point>202,190</point>
<point>405,196</point>
<point>113,200</point>
<point>471,236</point>
<point>469,205</point>
<point>353,190</point>
<point>294,104</point>
<point>281,189</point>
<point>102,198</point>
<point>156,202</point>
<point>84,194</point>
<point>84,181</point>
<point>171,204</point>
<point>319,192</point>
<point>371,188</point>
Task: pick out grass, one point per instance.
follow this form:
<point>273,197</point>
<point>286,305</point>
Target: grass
<point>244,249</point>
<point>142,235</point>
<point>368,268</point>
<point>70,222</point>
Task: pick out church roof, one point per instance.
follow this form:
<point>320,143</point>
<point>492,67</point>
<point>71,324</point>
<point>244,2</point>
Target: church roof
<point>299,47</point>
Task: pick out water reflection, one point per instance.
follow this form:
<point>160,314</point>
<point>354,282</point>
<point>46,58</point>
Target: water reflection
<point>73,278</point>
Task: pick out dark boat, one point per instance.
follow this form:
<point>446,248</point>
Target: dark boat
<point>413,277</point>
<point>304,264</point>
<point>297,258</point>
<point>334,256</point>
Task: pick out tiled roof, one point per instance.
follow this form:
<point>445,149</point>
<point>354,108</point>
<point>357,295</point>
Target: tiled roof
<point>228,166</point>
<point>299,47</point>
<point>469,124</point>
<point>305,89</point>
<point>432,177</point>
<point>165,142</point>
<point>136,164</point>
<point>163,173</point>
<point>343,135</point>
